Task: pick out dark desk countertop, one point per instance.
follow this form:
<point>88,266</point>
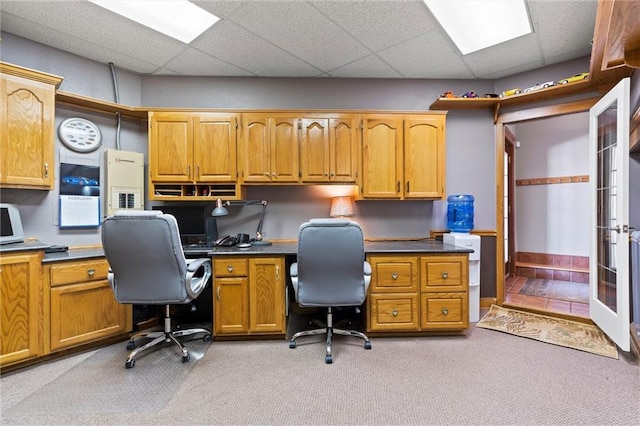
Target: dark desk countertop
<point>370,247</point>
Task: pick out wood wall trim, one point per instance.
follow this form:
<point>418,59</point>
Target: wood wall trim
<point>437,234</point>
<point>634,132</point>
<point>552,180</point>
<point>42,77</point>
<point>547,111</point>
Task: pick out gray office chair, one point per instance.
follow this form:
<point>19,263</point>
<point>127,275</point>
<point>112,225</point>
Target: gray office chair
<point>330,272</point>
<point>148,267</point>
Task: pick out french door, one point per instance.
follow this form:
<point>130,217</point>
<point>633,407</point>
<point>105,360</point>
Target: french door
<point>609,180</point>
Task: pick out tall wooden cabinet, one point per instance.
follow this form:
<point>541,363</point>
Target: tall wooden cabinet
<point>21,307</point>
<point>27,108</point>
<point>192,154</point>
<point>403,156</point>
<point>249,295</point>
<point>269,150</point>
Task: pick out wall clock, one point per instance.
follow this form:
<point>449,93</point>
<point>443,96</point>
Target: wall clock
<point>79,134</point>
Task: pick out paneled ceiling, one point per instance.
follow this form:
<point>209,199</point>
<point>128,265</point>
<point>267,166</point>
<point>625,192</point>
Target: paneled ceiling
<point>312,38</point>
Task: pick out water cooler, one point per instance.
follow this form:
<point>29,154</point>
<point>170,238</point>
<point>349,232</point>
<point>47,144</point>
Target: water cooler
<point>460,222</point>
<point>464,239</point>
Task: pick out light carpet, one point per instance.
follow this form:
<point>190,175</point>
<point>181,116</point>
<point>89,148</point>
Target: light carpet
<point>557,331</point>
<point>101,383</point>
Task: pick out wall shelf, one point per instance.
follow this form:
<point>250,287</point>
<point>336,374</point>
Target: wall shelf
<point>100,106</point>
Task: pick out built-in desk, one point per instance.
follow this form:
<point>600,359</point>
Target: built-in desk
<point>416,287</point>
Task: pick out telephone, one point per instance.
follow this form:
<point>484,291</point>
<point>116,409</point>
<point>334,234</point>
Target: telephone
<point>226,240</point>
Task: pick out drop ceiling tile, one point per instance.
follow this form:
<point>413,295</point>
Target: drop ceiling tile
<point>510,55</point>
<point>426,56</point>
<point>384,24</point>
<point>301,30</point>
<point>221,8</point>
<point>562,27</point>
<point>233,44</point>
<point>369,67</point>
<point>86,49</point>
<point>193,62</point>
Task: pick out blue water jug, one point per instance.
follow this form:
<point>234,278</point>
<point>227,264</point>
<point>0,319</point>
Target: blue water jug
<point>460,213</point>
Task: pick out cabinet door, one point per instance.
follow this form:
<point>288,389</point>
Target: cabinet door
<point>382,157</point>
<point>231,313</point>
<point>343,150</point>
<point>20,307</point>
<point>444,273</point>
<point>444,311</point>
<point>393,312</point>
<point>314,150</point>
<point>170,147</point>
<point>284,150</point>
<point>85,312</point>
<point>26,133</point>
<point>424,158</point>
<point>214,148</point>
<point>255,155</point>
<point>267,295</point>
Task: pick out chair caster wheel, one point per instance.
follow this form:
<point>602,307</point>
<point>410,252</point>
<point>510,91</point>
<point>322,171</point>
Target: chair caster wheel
<point>292,345</point>
<point>207,338</point>
<point>130,364</point>
<point>367,345</point>
<point>186,358</point>
<point>328,359</point>
<point>131,345</point>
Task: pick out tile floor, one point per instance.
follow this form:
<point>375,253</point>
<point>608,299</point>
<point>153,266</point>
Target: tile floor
<point>513,285</point>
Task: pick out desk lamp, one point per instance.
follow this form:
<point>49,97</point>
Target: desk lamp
<point>220,210</point>
<point>341,207</point>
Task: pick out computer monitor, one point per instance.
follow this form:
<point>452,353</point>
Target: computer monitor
<point>191,222</point>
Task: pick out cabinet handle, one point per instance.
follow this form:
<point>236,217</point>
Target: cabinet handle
<point>277,272</point>
<point>394,312</point>
<point>91,272</point>
<point>273,173</point>
<point>218,294</point>
<point>445,275</point>
<point>407,187</point>
<point>197,171</point>
<point>229,268</point>
<point>445,311</point>
<point>394,276</point>
<point>46,170</point>
<point>189,171</point>
<point>398,187</point>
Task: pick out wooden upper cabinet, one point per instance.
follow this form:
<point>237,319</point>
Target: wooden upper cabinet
<point>27,128</point>
<point>329,149</point>
<point>403,156</point>
<point>424,157</point>
<point>214,150</point>
<point>269,151</point>
<point>382,157</point>
<point>192,147</point>
<point>170,147</point>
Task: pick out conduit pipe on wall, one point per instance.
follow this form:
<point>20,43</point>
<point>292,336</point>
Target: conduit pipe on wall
<point>118,118</point>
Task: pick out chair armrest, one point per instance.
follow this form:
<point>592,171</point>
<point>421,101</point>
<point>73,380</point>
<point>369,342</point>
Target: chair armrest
<point>367,268</point>
<point>196,283</point>
<point>194,264</point>
<point>293,270</point>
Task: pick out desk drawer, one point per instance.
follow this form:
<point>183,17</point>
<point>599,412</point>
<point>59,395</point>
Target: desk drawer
<point>445,274</point>
<point>444,311</point>
<point>230,267</point>
<point>393,312</point>
<point>77,272</point>
<point>393,274</point>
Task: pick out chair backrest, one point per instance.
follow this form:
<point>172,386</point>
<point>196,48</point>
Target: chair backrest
<point>146,258</point>
<point>331,263</point>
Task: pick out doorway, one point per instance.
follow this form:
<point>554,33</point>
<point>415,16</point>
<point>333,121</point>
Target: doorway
<point>537,274</point>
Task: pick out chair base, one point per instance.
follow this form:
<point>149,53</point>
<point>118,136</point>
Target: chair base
<point>329,330</point>
<point>163,336</point>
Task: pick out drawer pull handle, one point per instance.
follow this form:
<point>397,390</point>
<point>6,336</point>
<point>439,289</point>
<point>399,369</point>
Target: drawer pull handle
<point>394,276</point>
<point>91,272</point>
<point>229,268</point>
<point>218,294</point>
<point>445,275</point>
<point>394,312</point>
<point>445,311</point>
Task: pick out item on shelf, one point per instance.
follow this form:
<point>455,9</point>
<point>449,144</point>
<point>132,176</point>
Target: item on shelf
<point>448,95</point>
<point>470,95</point>
<point>539,86</point>
<point>576,77</point>
<point>491,95</point>
<point>510,92</point>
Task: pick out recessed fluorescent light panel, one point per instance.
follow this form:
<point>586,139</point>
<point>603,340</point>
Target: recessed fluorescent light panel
<point>477,24</point>
<point>179,19</point>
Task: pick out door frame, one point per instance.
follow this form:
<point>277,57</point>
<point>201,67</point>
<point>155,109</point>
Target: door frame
<point>573,107</point>
<point>510,142</point>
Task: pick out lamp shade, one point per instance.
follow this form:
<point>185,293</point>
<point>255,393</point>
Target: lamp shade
<point>219,210</point>
<point>341,206</point>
